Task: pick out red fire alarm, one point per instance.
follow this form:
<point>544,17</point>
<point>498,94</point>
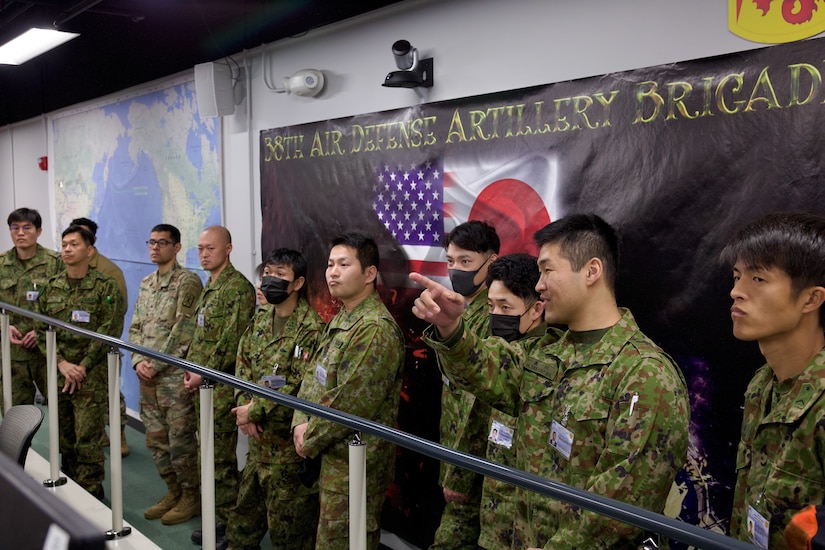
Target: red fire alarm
<point>43,163</point>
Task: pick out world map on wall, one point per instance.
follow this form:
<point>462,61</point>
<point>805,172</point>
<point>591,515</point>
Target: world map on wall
<point>130,165</point>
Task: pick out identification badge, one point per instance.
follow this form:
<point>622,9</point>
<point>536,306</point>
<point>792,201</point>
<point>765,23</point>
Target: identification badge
<point>758,528</point>
<point>501,434</point>
<point>561,439</point>
<point>200,319</point>
<point>445,380</point>
<point>273,382</point>
<point>32,295</point>
<point>80,316</point>
<point>321,375</point>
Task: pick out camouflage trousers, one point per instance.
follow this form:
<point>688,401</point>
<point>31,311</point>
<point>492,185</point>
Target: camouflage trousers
<point>168,413</point>
<point>271,495</point>
<point>333,523</point>
<point>226,473</point>
<point>460,527</point>
<point>24,376</point>
<point>80,419</point>
<point>497,515</point>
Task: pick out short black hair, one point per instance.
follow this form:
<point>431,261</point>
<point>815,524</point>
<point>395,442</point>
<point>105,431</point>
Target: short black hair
<point>287,257</point>
<point>792,241</point>
<point>366,250</point>
<point>26,215</point>
<point>173,231</point>
<point>519,273</point>
<point>582,237</point>
<point>85,222</point>
<point>85,234</point>
<point>475,236</point>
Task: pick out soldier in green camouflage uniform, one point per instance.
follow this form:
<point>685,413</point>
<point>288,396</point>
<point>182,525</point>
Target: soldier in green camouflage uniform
<point>24,271</point>
<point>275,350</point>
<point>601,409</point>
<point>470,248</point>
<point>224,311</point>
<point>358,371</point>
<point>778,291</point>
<point>164,320</point>
<point>106,266</point>
<point>91,300</point>
<point>516,313</point>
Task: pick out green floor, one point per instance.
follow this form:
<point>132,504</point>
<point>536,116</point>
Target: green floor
<point>142,487</point>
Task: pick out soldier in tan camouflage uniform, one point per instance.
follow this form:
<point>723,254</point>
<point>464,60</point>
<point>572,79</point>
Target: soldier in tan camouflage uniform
<point>164,320</point>
<point>358,371</point>
<point>274,352</point>
<point>778,292</point>
<point>602,408</point>
<point>108,267</point>
<point>516,313</point>
<point>24,271</point>
<point>224,311</point>
<point>470,248</point>
<point>91,300</point>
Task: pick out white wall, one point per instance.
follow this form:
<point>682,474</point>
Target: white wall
<point>479,46</point>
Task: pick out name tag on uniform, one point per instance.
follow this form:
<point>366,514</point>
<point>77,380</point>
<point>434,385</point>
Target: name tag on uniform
<point>200,319</point>
<point>273,382</point>
<point>561,439</point>
<point>501,434</point>
<point>80,316</point>
<point>32,295</point>
<point>321,375</point>
<point>758,528</point>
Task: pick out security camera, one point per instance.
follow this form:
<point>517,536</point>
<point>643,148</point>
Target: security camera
<point>305,83</point>
<point>413,73</point>
<point>406,57</point>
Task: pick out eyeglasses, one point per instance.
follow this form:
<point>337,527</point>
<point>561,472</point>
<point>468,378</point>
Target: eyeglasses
<point>160,242</point>
<point>25,228</point>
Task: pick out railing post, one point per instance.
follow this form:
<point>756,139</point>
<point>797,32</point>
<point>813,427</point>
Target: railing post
<point>56,479</point>
<point>207,441</point>
<point>357,493</point>
<point>5,339</point>
<point>115,460</point>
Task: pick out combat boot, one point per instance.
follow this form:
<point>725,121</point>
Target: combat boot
<point>186,508</point>
<point>168,501</point>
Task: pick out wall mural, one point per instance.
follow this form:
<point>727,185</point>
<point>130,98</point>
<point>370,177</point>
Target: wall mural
<point>677,157</point>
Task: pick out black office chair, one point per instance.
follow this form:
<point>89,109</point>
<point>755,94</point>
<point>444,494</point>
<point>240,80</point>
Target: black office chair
<point>17,430</point>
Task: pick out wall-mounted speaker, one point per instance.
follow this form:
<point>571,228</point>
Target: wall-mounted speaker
<point>213,89</point>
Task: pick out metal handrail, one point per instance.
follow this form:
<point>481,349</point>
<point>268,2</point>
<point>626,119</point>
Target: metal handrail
<point>614,509</point>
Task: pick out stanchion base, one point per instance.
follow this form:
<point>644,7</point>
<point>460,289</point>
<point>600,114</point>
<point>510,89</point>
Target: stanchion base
<point>55,482</point>
<point>112,534</point>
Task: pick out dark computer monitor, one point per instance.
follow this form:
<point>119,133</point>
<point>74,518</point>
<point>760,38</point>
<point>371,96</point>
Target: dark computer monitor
<point>29,513</point>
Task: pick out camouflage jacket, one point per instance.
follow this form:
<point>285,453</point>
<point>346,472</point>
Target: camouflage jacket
<point>258,353</point>
<point>463,417</point>
<point>223,313</point>
<point>108,267</point>
<point>497,497</point>
<point>164,314</point>
<point>356,370</point>
<point>96,295</point>
<point>629,455</point>
<point>781,460</point>
<point>20,285</point>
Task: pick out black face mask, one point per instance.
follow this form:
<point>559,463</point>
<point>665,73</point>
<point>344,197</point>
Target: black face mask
<point>274,289</point>
<point>462,281</point>
<point>506,326</point>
